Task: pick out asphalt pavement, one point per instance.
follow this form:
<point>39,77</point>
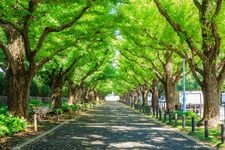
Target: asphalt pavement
<point>114,126</point>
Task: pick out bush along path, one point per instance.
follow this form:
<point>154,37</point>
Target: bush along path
<point>113,126</point>
<point>10,128</point>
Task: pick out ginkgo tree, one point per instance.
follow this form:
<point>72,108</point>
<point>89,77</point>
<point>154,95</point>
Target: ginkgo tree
<point>143,39</point>
<point>27,26</point>
<point>200,25</point>
<point>34,31</point>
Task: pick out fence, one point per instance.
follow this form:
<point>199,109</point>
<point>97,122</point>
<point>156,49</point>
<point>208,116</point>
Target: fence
<point>3,99</point>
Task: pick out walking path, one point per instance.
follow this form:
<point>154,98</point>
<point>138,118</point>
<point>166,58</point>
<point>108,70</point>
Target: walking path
<point>113,126</point>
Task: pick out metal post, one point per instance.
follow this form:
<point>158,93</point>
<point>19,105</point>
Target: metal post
<point>184,94</point>
<point>57,116</point>
<point>223,112</point>
<point>157,113</point>
<point>222,134</point>
<point>160,114</point>
<point>164,116</point>
<point>206,129</point>
<point>192,124</point>
<point>183,121</point>
<point>170,117</point>
<point>175,119</point>
<point>35,122</point>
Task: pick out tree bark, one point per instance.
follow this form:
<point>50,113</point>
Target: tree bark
<point>169,85</point>
<point>83,95</point>
<point>18,93</point>
<point>18,77</point>
<point>155,96</point>
<point>91,96</point>
<point>56,89</point>
<point>211,94</point>
<point>72,95</point>
<point>145,97</point>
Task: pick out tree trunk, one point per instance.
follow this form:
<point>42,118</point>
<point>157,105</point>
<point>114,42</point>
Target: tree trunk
<point>170,89</point>
<point>91,96</point>
<point>18,93</point>
<point>56,89</point>
<point>72,95</point>
<point>17,76</point>
<point>83,95</point>
<point>211,94</point>
<point>145,97</point>
<point>155,96</point>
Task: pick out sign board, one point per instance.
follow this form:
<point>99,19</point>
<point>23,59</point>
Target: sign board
<point>192,97</point>
<point>223,97</point>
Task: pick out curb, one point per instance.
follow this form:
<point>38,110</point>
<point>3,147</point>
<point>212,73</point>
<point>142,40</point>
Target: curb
<point>19,146</point>
<point>206,145</point>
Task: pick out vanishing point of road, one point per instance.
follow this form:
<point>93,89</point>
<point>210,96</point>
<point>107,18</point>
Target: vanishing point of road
<point>113,126</point>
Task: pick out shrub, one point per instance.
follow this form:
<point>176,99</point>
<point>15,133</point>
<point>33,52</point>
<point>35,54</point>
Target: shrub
<point>10,124</point>
<point>188,114</point>
<point>67,108</point>
<point>3,109</point>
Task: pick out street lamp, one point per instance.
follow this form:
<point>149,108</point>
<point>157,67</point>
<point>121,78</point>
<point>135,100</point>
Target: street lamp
<point>184,94</point>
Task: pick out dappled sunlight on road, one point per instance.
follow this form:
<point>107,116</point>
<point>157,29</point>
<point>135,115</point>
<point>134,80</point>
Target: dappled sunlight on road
<point>130,145</point>
<point>113,126</point>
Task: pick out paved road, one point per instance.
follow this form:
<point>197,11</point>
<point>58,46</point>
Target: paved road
<point>113,126</point>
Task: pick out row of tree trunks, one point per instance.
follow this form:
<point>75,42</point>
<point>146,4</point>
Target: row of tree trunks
<point>77,93</point>
<point>155,95</point>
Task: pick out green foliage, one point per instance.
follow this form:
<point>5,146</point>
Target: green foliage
<point>37,103</point>
<point>3,89</point>
<point>10,124</point>
<point>3,109</point>
<point>39,88</point>
<point>188,114</point>
<point>67,108</point>
<point>190,85</point>
<point>59,111</point>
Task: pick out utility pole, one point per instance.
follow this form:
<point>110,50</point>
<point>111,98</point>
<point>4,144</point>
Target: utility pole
<point>184,82</point>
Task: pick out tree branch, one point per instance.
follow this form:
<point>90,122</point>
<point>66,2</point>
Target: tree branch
<point>6,51</point>
<point>31,8</point>
<point>194,72</point>
<point>177,28</point>
<point>49,58</point>
<point>221,76</point>
<point>159,58</point>
<point>214,29</point>
<point>61,28</point>
<point>178,75</point>
<point>198,5</point>
<point>4,22</point>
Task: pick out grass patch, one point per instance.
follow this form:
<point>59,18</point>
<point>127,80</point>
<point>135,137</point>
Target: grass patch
<point>214,138</point>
